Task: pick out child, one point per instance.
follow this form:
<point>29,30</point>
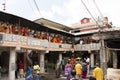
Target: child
<point>30,70</point>
<point>73,73</point>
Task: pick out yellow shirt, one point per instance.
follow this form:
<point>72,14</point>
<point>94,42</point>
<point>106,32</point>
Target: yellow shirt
<point>98,73</point>
<point>78,68</point>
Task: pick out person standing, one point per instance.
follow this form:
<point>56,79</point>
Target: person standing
<point>21,69</point>
<point>33,76</point>
<point>72,60</point>
<point>30,70</point>
<point>84,69</point>
<point>68,69</point>
<point>73,73</point>
<point>88,64</point>
<point>57,69</point>
<point>78,69</point>
<point>63,63</point>
<point>98,72</point>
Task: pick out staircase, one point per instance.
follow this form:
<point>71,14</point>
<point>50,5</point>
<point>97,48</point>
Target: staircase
<point>28,57</point>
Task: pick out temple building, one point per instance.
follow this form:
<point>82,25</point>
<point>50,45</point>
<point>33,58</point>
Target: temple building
<point>44,40</point>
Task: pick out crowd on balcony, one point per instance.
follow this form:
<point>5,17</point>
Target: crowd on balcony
<point>8,28</point>
<point>86,40</point>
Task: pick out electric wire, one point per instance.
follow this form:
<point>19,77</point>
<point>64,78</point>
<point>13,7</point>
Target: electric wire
<point>98,8</point>
<point>37,8</point>
<point>32,7</point>
<point>91,7</point>
<point>88,11</point>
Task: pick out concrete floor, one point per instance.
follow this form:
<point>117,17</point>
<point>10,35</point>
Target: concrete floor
<point>47,76</point>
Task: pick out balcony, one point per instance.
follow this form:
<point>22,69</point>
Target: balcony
<point>11,40</point>
<point>17,41</point>
<point>87,47</point>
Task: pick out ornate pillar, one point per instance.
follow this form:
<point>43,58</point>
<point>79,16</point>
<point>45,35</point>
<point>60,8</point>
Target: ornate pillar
<point>42,61</point>
<point>114,59</point>
<point>12,64</point>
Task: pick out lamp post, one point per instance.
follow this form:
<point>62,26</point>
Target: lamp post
<point>102,49</point>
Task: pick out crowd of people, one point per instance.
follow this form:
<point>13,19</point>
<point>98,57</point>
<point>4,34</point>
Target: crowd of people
<point>77,69</point>
<point>33,73</point>
<point>32,70</point>
<point>6,27</point>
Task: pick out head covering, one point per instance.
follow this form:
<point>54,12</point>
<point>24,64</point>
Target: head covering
<point>78,58</point>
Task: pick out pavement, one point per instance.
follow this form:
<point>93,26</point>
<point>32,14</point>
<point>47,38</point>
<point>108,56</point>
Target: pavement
<point>46,76</point>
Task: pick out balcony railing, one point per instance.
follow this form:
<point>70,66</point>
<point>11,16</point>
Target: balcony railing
<point>66,46</point>
<point>15,40</point>
<point>29,42</point>
<point>37,42</point>
<point>53,45</point>
<point>87,47</point>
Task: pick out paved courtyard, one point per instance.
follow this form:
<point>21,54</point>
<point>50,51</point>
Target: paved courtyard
<point>47,76</point>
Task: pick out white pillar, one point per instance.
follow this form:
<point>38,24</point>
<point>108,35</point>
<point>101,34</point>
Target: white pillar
<point>114,59</point>
<point>42,62</point>
<point>92,60</point>
<point>103,62</point>
<point>12,59</point>
<point>60,57</point>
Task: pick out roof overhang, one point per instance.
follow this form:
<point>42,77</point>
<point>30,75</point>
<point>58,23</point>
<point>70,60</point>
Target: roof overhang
<point>52,24</point>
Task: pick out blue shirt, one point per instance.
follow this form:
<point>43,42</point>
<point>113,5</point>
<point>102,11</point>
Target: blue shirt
<point>30,77</point>
<point>30,70</point>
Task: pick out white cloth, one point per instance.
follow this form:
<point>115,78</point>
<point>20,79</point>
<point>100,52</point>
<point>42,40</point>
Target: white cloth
<point>88,60</point>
